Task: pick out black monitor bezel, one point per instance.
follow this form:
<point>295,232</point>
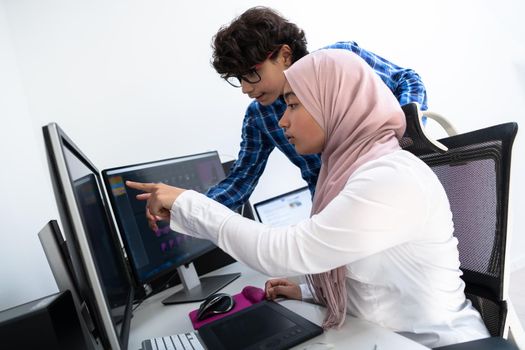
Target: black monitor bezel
<point>172,269</point>
<point>79,248</point>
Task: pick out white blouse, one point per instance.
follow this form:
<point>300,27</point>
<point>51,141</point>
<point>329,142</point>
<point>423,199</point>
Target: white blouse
<point>391,226</point>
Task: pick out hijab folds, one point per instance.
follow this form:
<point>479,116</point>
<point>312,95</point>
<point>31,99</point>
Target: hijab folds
<point>362,121</point>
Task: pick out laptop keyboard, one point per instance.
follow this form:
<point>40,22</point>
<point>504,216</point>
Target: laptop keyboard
<point>183,341</point>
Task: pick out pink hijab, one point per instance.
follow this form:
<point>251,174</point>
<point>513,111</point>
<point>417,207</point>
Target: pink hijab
<point>362,121</point>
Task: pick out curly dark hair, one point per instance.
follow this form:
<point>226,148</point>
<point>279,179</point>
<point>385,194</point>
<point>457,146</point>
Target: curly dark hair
<point>249,39</point>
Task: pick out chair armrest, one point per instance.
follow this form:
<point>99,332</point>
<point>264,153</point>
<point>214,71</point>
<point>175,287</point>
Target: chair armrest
<point>442,121</point>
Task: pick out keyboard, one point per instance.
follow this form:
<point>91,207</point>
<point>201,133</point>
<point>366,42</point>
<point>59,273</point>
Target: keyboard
<point>183,341</point>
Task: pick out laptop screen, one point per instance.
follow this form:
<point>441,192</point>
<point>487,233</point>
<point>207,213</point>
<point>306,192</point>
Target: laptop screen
<point>285,209</point>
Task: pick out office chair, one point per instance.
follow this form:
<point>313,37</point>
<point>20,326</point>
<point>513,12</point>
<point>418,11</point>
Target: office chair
<point>415,137</point>
<point>442,121</point>
<point>475,172</point>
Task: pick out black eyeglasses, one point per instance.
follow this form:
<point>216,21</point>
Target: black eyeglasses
<point>251,77</point>
<point>215,304</point>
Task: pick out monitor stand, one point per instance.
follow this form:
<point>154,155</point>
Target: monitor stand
<point>195,288</point>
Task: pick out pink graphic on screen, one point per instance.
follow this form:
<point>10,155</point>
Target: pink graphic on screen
<point>162,231</point>
<point>174,241</point>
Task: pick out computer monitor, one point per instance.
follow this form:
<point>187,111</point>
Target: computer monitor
<point>286,209</point>
<point>153,254</point>
<point>96,256</point>
<point>59,260</point>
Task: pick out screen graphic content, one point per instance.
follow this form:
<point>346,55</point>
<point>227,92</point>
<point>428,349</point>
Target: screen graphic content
<point>286,209</point>
<point>154,253</point>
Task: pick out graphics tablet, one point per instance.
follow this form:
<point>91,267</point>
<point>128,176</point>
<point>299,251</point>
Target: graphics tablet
<point>266,325</point>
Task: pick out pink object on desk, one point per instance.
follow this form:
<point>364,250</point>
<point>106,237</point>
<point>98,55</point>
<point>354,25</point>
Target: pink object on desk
<point>250,295</point>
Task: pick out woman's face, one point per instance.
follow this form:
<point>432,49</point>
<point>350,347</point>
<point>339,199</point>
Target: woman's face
<point>299,126</point>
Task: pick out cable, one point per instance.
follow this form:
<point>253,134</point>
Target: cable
<point>164,286</point>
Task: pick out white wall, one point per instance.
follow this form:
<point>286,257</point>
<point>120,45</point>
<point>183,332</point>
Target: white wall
<point>131,81</point>
<point>26,203</point>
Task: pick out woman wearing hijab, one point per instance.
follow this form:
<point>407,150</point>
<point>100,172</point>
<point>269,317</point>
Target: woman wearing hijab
<point>379,244</point>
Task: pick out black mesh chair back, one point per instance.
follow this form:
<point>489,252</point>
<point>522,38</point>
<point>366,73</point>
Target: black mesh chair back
<point>475,173</point>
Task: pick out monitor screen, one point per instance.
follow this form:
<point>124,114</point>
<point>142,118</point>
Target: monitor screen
<point>155,253</point>
<point>96,256</point>
<point>286,209</point>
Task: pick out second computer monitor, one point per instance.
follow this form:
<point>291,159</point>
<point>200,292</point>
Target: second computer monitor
<point>155,253</point>
<point>97,263</point>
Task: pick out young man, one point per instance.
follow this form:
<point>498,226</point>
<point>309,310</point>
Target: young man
<point>252,53</point>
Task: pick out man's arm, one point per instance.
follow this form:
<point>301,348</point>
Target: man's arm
<point>239,184</point>
<point>405,83</point>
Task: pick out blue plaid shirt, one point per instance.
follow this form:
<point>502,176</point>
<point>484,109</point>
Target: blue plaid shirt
<point>261,132</point>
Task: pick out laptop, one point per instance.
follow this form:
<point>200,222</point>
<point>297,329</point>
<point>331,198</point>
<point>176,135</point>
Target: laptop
<point>285,209</point>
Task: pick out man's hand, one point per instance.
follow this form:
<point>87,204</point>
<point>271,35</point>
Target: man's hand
<point>160,199</point>
<point>281,287</point>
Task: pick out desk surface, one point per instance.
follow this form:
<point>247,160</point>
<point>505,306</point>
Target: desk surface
<point>153,319</point>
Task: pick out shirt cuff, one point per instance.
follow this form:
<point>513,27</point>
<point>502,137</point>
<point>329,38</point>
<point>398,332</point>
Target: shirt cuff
<point>306,295</point>
<point>196,215</point>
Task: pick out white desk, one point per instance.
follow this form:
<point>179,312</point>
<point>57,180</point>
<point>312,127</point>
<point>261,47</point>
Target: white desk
<point>153,319</point>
